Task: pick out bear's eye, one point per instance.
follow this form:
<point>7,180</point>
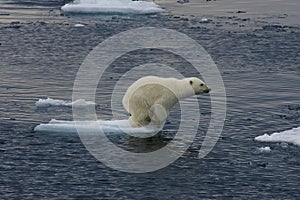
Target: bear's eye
<point>201,84</point>
<point>191,82</point>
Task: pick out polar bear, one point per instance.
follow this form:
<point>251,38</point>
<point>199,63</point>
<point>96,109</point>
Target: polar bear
<point>150,99</point>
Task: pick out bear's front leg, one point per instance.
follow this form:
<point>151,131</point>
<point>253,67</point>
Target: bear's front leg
<point>158,115</point>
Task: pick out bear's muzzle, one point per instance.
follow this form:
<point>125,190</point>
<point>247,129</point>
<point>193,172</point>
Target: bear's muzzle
<point>207,90</point>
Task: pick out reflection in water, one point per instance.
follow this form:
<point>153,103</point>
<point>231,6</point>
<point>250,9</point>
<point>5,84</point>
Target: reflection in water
<point>144,145</point>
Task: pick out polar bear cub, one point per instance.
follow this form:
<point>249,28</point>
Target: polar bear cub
<point>150,99</point>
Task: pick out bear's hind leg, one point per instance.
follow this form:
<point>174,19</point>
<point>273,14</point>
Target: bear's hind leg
<point>139,119</point>
<point>158,115</point>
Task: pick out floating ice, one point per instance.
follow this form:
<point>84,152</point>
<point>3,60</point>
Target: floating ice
<point>114,127</point>
<point>264,149</point>
<point>290,136</point>
<point>205,20</point>
<point>79,25</point>
<point>56,102</point>
<point>111,7</point>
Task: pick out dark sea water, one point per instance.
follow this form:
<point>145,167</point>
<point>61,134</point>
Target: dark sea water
<point>260,66</point>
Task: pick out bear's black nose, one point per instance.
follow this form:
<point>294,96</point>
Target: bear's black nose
<point>206,91</point>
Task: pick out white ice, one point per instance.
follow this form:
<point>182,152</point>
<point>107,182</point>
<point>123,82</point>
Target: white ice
<point>112,6</point>
<point>289,136</point>
<point>79,25</point>
<point>264,149</point>
<point>113,127</point>
<point>56,102</point>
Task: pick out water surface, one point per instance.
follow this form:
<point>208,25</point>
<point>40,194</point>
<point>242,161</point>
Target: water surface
<point>40,59</point>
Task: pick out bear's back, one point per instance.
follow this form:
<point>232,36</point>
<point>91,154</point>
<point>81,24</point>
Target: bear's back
<point>170,83</point>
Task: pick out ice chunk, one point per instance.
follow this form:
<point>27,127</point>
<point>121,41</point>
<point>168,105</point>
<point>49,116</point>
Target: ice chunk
<point>289,136</point>
<point>113,127</point>
<point>111,7</point>
<point>56,102</point>
<point>79,25</point>
<point>205,20</point>
<point>264,149</point>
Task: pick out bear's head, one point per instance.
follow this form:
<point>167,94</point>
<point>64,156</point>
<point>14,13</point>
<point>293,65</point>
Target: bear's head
<point>198,86</point>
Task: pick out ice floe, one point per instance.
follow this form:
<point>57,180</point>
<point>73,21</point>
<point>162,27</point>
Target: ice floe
<point>113,127</point>
<point>264,149</point>
<point>291,136</point>
<point>111,7</point>
<point>56,102</point>
<point>79,25</point>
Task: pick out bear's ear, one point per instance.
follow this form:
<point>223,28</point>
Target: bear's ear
<point>191,82</point>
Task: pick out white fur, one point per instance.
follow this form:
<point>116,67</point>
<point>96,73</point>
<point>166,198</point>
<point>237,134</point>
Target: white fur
<point>150,99</point>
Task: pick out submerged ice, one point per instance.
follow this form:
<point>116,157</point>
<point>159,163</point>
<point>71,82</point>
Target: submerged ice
<point>112,6</point>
